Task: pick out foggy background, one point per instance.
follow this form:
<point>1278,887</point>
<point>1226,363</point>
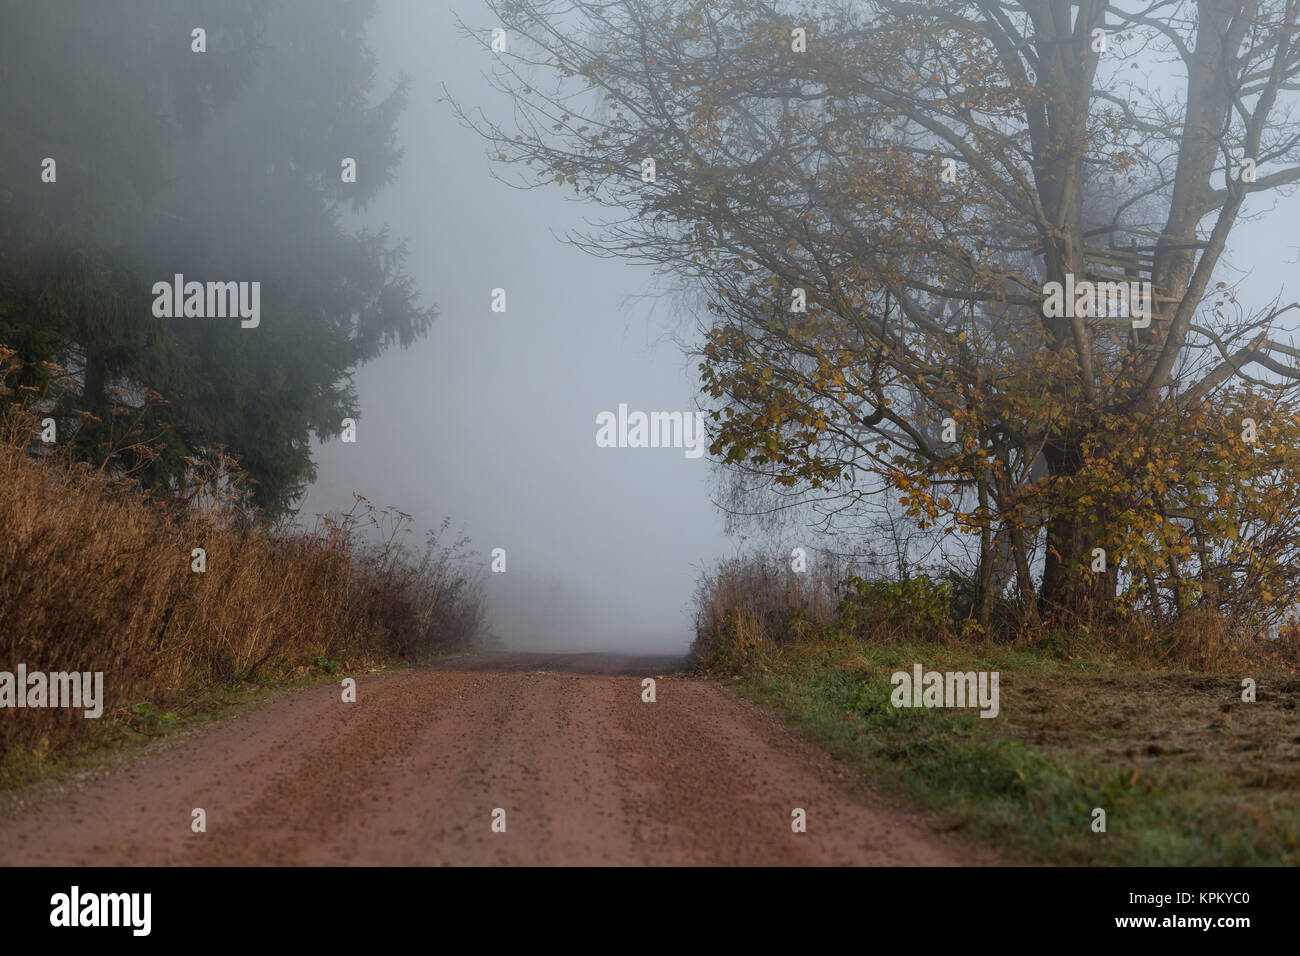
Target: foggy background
<point>490,419</point>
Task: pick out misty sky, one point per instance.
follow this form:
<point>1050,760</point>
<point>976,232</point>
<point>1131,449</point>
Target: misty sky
<point>491,419</point>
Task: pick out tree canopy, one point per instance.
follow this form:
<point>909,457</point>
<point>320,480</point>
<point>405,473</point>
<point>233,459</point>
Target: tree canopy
<point>220,165</point>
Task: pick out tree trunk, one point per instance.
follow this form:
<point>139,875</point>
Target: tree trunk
<point>1071,589</point>
<point>1024,579</point>
<point>984,584</point>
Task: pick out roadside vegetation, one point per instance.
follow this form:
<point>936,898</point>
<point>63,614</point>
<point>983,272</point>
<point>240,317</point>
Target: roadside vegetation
<point>99,574</point>
<point>1151,728</point>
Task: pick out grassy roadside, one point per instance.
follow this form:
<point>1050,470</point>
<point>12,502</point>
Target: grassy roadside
<point>28,772</point>
<point>1187,773</point>
<point>183,601</point>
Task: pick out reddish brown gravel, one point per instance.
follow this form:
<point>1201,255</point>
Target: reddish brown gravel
<point>410,774</point>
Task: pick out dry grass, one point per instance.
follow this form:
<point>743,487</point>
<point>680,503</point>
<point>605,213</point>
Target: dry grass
<point>758,603</point>
<point>748,607</point>
<point>95,575</point>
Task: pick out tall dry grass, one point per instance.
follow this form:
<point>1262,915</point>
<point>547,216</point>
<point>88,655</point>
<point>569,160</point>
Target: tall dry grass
<point>749,606</point>
<point>95,575</point>
<point>754,603</point>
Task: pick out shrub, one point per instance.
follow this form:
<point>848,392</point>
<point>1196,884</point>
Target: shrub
<point>915,605</point>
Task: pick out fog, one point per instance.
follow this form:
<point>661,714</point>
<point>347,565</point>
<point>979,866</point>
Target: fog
<point>491,420</point>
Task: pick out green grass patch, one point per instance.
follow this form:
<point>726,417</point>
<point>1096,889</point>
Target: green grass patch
<point>1187,773</point>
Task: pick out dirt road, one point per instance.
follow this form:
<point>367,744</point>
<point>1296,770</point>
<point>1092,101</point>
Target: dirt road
<point>412,772</point>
